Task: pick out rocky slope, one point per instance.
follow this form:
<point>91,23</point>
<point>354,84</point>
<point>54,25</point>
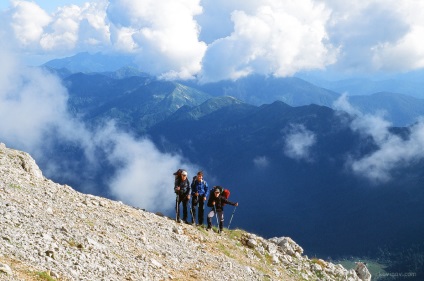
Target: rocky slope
<point>51,232</point>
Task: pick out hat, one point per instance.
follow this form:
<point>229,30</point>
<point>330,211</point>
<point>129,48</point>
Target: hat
<point>184,173</point>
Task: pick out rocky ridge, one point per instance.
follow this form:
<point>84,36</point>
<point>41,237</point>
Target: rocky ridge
<point>53,232</point>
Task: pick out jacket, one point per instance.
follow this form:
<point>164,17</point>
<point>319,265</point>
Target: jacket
<point>200,187</point>
<point>184,187</point>
<point>219,201</point>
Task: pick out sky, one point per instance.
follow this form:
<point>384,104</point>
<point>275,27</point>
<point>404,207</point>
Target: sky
<point>208,40</point>
<point>224,39</point>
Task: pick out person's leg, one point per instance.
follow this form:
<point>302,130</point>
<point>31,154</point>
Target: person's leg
<point>201,211</point>
<point>221,219</point>
<point>178,209</point>
<point>210,216</point>
<point>193,208</point>
<point>185,208</point>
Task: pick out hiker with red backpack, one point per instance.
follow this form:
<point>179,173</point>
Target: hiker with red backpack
<point>199,192</point>
<point>217,202</point>
<point>182,191</point>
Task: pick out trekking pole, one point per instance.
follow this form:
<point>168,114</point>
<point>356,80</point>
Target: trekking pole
<point>232,216</point>
<point>191,211</point>
<point>216,215</point>
<point>197,208</point>
<point>176,208</point>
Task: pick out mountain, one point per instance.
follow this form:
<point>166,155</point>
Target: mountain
<point>227,137</point>
<point>409,83</point>
<point>311,194</point>
<point>88,63</point>
<point>401,110</point>
<point>316,199</point>
<point>258,89</point>
<point>52,232</point>
<point>134,102</point>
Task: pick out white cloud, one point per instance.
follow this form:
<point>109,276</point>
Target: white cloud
<point>392,151</point>
<point>298,142</point>
<point>278,38</point>
<point>28,21</point>
<point>377,35</point>
<point>34,115</point>
<point>163,34</point>
<point>144,177</point>
<point>261,162</point>
<point>229,39</point>
<point>26,96</point>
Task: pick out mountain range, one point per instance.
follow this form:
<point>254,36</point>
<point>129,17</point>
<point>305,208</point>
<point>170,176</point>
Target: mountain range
<point>398,99</point>
<point>252,136</point>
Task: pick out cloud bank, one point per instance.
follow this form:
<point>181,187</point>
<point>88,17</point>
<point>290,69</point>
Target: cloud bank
<point>34,117</point>
<point>214,40</point>
<point>392,151</point>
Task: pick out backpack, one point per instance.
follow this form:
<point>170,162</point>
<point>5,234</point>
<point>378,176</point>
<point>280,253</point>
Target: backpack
<point>177,174</point>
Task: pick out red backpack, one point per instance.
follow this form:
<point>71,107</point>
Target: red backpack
<point>223,192</point>
<point>226,193</point>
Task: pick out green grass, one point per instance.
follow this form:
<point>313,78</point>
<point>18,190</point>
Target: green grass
<point>12,185</point>
<point>44,276</point>
<point>235,234</point>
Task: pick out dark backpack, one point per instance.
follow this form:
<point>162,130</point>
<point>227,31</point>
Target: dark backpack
<point>178,173</point>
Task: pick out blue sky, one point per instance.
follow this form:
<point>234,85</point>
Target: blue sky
<point>47,5</point>
<point>224,39</point>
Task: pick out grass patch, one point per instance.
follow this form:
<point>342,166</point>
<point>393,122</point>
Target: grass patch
<point>224,249</point>
<point>235,234</point>
<point>15,186</point>
<point>44,276</point>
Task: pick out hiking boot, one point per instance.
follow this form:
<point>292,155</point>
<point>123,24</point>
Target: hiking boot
<point>178,220</point>
<point>208,228</point>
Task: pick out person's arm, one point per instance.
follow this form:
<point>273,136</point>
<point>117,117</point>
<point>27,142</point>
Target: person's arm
<point>188,189</point>
<point>206,189</point>
<point>226,201</point>
<point>193,188</point>
<point>211,201</point>
<point>177,186</point>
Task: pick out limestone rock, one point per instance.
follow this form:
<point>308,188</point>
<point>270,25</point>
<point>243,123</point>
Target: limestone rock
<point>362,271</point>
<point>5,269</point>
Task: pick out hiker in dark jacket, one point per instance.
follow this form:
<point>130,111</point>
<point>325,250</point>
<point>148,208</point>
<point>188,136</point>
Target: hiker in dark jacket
<point>199,192</point>
<point>216,202</point>
<point>182,191</point>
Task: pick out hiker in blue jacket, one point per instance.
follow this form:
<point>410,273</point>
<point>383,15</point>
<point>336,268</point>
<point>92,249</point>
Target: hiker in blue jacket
<point>199,192</point>
<point>182,191</point>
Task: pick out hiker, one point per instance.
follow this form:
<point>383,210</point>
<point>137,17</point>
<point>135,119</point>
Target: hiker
<point>182,191</point>
<point>217,202</point>
<point>199,192</point>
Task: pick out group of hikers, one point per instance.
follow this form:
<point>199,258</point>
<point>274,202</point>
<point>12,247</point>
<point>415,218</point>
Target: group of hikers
<point>198,192</point>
